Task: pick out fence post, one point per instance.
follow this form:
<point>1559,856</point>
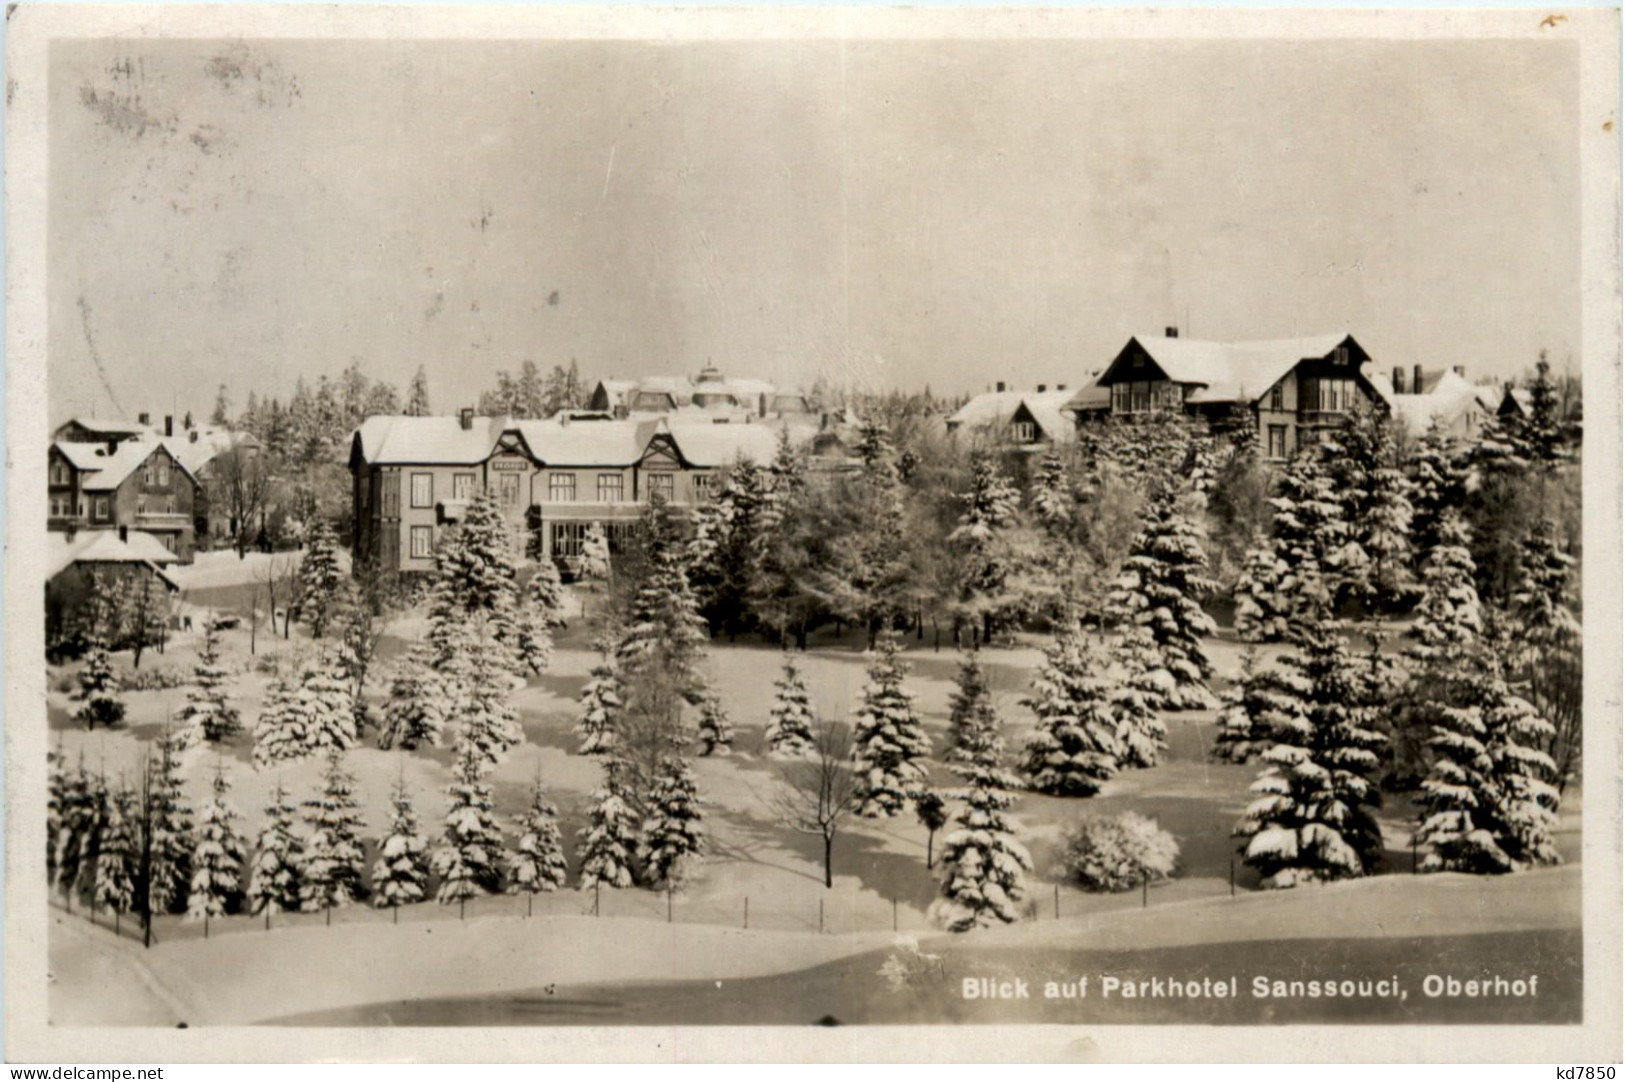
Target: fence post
<point>330,912</point>
<point>1413,854</point>
<point>267,916</point>
<point>894,914</point>
<point>205,924</point>
<point>1232,877</point>
<point>820,916</point>
<point>530,903</point>
<point>668,903</point>
<point>597,890</point>
<point>1057,901</point>
<point>395,914</point>
<point>461,904</point>
<point>747,911</point>
<point>1145,890</point>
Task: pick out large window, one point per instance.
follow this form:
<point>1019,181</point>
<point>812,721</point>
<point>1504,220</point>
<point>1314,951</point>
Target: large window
<point>1277,398</point>
<point>423,490</point>
<point>1329,395</point>
<point>609,487</point>
<point>561,487</point>
<point>661,484</point>
<point>392,495</point>
<point>1023,431</point>
<point>702,486</point>
<point>508,486</point>
<point>422,542</point>
<point>462,486</point>
<point>1277,441</point>
<point>59,473</point>
<point>567,538</point>
<point>61,507</point>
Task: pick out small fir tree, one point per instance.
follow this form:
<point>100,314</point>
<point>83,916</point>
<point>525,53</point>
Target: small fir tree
<point>932,812</point>
<point>790,723</point>
<point>469,861</point>
<point>600,706</point>
<point>480,710</point>
<point>319,578</point>
<point>476,589</point>
<point>1161,588</point>
<point>93,829</point>
<point>118,858</point>
<point>98,691</point>
<point>970,705</point>
<point>1253,707</point>
<point>1140,687</point>
<point>77,800</point>
<point>171,825</point>
<point>281,733</point>
<point>217,859</point>
<point>415,713</point>
<point>402,869</point>
<point>208,714</point>
<point>1052,498</point>
<point>537,863</point>
<point>331,875</point>
<point>610,838</point>
<point>716,732</point>
<point>1262,613</point>
<point>1076,747</point>
<point>278,853</point>
<point>983,865</point>
<point>672,832</point>
<point>329,703</point>
<point>1449,618</point>
<point>888,741</point>
<point>990,509</point>
<point>417,396</point>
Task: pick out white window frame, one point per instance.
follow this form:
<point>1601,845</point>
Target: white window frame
<point>163,475</point>
<point>428,495</point>
<point>59,473</point>
<point>1270,435</point>
<point>1277,398</point>
<point>101,507</point>
<point>427,534</point>
<point>561,483</point>
<point>462,486</point>
<point>702,486</point>
<point>667,484</point>
<point>1024,431</point>
<point>614,484</point>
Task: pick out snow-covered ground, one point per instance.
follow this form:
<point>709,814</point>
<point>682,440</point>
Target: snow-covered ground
<point>752,859</point>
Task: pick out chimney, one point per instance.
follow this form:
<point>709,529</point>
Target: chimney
<point>465,417</point>
<point>999,386</point>
<point>112,447</point>
<point>1460,370</point>
<point>169,424</point>
<point>1170,332</point>
<point>1042,388</point>
<point>1399,379</point>
<point>193,435</point>
<point>123,533</point>
<point>1060,386</point>
<point>1416,379</point>
<point>144,418</point>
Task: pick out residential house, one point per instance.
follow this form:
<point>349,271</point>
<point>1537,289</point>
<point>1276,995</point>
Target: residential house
<point>1024,420</point>
<point>1290,389</point>
<point>414,476</point>
<point>117,556</point>
<point>131,484</point>
<point>710,394</point>
<point>1422,396</point>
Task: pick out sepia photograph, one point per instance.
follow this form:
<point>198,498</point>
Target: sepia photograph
<point>713,522</point>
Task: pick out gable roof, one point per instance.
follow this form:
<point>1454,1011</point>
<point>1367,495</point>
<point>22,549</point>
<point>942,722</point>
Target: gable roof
<point>1228,371</point>
<point>106,471</point>
<point>105,427</point>
<point>993,408</point>
<point>1448,397</point>
<point>715,446</point>
<point>104,547</point>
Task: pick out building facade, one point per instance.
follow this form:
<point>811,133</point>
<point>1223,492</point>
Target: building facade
<point>710,393</point>
<point>129,484</point>
<point>1291,390</point>
<point>413,478</point>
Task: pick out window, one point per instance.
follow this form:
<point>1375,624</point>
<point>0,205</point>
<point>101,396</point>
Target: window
<point>508,486</point>
<point>146,475</point>
<point>101,507</point>
<point>662,485</point>
<point>1277,398</point>
<point>567,538</point>
<point>169,542</point>
<point>423,490</point>
<point>163,475</point>
<point>140,505</point>
<point>1277,441</point>
<point>59,473</point>
<point>1142,397</point>
<point>561,487</point>
<point>702,486</point>
<point>392,495</point>
<point>1023,431</point>
<point>462,486</point>
<point>609,488</point>
<point>422,542</point>
<point>169,505</point>
<point>59,506</point>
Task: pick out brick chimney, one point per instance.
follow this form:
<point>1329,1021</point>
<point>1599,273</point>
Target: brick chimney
<point>999,386</point>
<point>169,424</point>
<point>144,418</point>
<point>1170,332</point>
<point>124,533</point>
<point>1399,379</point>
<point>1042,388</point>
<point>112,447</point>
<point>1060,386</point>
<point>465,417</point>
<point>1416,379</point>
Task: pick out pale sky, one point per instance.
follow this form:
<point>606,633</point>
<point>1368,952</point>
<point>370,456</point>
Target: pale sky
<point>903,213</point>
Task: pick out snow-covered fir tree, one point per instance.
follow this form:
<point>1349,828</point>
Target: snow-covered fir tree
<point>217,857</point>
<point>1252,708</point>
<point>171,823</point>
<point>331,874</point>
<point>1052,498</point>
<point>600,705</point>
<point>481,714</point>
<point>417,395</point>
<point>1160,588</point>
<point>716,731</point>
<point>281,733</point>
<point>469,859</point>
<point>1140,688</point>
<point>609,840</point>
<point>983,865</point>
<point>1438,482</point>
<point>208,714</point>
<point>1312,815</point>
<point>1362,457</point>
<point>401,872</point>
<point>1450,616</point>
<point>874,448</point>
<point>970,705</point>
<point>665,632</point>
<point>1262,613</point>
<point>1539,604</point>
<point>1488,802</point>
<point>98,685</point>
<point>118,857</point>
<point>790,722</point>
<point>672,832</point>
<point>543,612</point>
<point>476,576</point>
<point>76,819</point>
<point>417,708</point>
<point>1076,747</point>
<point>278,853</point>
<point>92,827</point>
<point>1310,534</point>
<point>990,508</point>
<point>537,863</point>
<point>56,796</point>
<point>888,741</point>
<point>319,578</point>
<point>329,703</point>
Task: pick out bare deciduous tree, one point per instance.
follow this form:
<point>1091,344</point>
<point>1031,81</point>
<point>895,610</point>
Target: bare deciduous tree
<point>276,574</point>
<point>241,486</point>
<point>814,795</point>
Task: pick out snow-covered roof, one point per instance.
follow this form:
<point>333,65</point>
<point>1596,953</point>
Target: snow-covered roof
<point>994,408</point>
<point>588,443</point>
<point>194,454</point>
<point>1227,371</point>
<point>105,470</point>
<point>106,427</point>
<point>713,446</point>
<point>396,440</point>
<point>82,456</point>
<point>104,547</point>
<point>1448,398</point>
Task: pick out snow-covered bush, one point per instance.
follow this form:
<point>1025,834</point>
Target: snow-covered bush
<point>1117,854</point>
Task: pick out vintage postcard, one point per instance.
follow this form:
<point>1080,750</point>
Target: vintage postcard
<point>812,534</point>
